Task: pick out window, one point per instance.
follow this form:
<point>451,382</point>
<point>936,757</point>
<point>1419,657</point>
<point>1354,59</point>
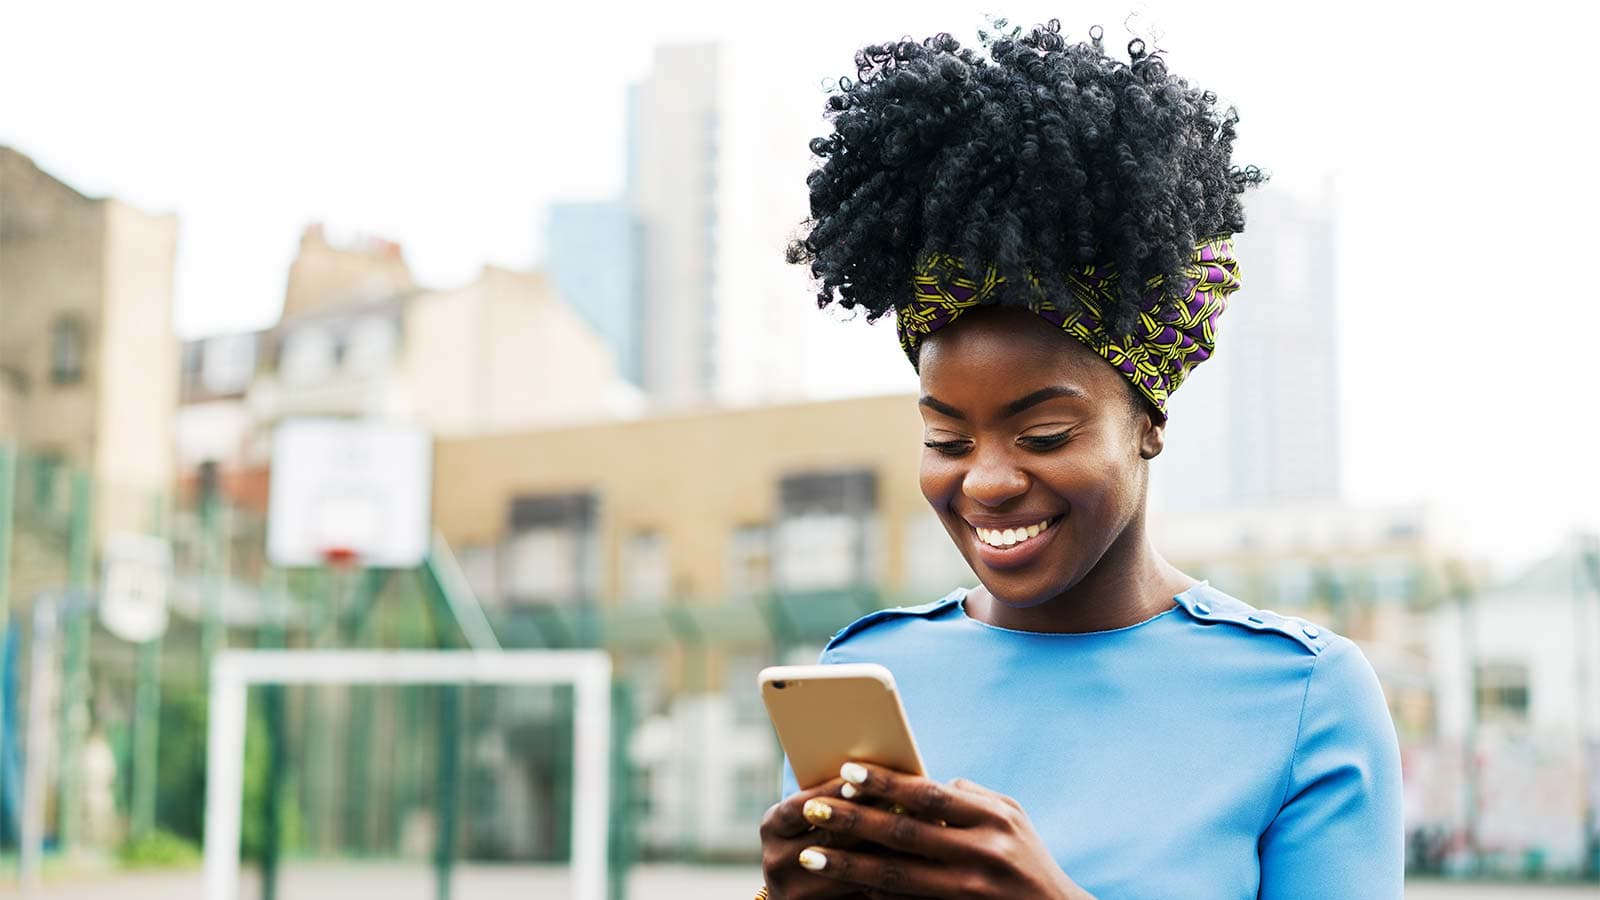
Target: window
<point>371,345</point>
<point>824,537</point>
<point>934,565</point>
<point>1502,690</point>
<point>551,553</point>
<point>1393,580</point>
<point>749,561</point>
<point>646,570</point>
<point>309,356</point>
<point>66,350</point>
<point>227,364</point>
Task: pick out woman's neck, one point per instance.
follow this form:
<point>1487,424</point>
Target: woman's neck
<point>1130,583</point>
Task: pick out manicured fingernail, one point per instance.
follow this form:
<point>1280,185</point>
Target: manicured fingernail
<point>813,859</point>
<point>818,810</point>
<point>854,773</point>
<point>848,791</point>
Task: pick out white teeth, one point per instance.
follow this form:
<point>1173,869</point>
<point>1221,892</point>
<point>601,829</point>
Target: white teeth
<point>1006,537</point>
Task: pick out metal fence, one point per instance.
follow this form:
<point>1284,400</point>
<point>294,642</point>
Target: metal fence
<point>102,741</point>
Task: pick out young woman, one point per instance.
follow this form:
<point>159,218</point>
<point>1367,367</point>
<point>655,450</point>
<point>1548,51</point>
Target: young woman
<point>1051,228</point>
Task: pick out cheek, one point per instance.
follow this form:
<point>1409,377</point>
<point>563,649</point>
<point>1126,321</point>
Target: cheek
<point>940,478</point>
<point>1095,482</point>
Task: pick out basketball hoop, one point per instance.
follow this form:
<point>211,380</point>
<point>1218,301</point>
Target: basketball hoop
<point>340,558</point>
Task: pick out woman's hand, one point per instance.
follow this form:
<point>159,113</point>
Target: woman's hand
<point>785,833</point>
<point>986,848</point>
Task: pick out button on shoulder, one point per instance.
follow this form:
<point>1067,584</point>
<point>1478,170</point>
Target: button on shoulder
<point>1210,606</point>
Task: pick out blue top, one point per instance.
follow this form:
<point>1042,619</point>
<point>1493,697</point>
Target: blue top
<point>1213,752</point>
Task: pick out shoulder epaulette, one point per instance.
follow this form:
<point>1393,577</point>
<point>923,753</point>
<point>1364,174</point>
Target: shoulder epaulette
<point>1208,605</point>
<point>923,609</point>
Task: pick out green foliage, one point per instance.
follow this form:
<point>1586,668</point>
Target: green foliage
<point>181,781</point>
<point>159,849</point>
<point>257,761</point>
<point>181,777</point>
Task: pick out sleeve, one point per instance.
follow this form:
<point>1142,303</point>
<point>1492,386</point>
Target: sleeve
<point>1339,831</point>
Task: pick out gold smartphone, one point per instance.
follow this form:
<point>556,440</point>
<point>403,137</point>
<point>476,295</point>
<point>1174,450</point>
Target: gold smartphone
<point>829,715</point>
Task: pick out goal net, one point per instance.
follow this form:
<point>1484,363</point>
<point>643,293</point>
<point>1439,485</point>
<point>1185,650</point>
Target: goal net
<point>586,672</point>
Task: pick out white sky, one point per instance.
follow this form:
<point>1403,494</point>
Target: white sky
<point>1456,135</point>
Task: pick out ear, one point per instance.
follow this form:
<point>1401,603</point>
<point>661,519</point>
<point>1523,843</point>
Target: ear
<point>1152,434</point>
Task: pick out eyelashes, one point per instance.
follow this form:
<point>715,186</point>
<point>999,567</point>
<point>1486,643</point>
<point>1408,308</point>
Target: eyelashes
<point>1041,443</point>
<point>1045,441</point>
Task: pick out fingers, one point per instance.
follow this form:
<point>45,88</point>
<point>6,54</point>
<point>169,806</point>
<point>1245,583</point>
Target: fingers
<point>922,797</point>
<point>834,816</point>
<point>976,788</point>
<point>785,818</point>
<point>884,875</point>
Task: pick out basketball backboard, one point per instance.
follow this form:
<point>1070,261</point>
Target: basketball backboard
<point>346,489</point>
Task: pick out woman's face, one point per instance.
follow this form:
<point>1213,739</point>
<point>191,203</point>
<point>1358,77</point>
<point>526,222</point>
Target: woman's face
<point>1035,454</point>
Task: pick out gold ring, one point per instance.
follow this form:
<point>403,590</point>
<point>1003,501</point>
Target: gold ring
<point>761,894</point>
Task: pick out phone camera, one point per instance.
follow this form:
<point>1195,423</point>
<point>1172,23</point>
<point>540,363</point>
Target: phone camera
<point>780,685</point>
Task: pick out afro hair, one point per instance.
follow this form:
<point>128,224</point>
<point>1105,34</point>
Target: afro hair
<point>1038,157</point>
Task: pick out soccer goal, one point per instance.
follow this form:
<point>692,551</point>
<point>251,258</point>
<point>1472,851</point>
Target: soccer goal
<point>234,671</point>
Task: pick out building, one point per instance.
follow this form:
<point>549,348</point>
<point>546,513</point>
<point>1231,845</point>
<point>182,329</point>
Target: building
<point>717,160</point>
<point>591,257</point>
<point>726,504</point>
<point>88,357</point>
<point>1258,423</point>
<point>503,353</point>
<point>1519,692</point>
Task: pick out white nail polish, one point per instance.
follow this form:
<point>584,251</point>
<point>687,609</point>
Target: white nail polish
<point>853,773</point>
<point>812,859</point>
<point>848,791</point>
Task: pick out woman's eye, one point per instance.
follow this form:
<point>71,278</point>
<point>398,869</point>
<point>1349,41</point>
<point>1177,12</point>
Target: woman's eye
<point>948,448</point>
<point>1045,441</point>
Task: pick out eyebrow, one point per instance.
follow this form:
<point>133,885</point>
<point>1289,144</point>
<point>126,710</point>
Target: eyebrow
<point>1012,408</point>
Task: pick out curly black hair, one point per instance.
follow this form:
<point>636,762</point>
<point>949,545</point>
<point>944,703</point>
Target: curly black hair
<point>1038,158</point>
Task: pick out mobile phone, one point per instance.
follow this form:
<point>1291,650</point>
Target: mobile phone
<point>829,715</point>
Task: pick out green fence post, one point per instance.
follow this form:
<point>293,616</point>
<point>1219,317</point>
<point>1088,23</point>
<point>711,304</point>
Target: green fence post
<point>213,573</point>
<point>357,784</point>
<point>619,857</point>
<point>75,681</point>
<point>272,636</point>
<point>8,479</point>
<point>446,774</point>
<point>147,737</point>
<point>444,854</point>
<point>147,711</point>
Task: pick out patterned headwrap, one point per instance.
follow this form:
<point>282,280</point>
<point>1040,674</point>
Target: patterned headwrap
<point>1167,342</point>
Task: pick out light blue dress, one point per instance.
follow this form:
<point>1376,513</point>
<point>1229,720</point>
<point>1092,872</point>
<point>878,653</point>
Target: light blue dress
<point>1213,752</point>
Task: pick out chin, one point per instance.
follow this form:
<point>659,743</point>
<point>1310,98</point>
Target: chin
<point>1023,593</point>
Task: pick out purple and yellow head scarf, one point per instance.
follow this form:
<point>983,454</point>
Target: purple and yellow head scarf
<point>1168,341</point>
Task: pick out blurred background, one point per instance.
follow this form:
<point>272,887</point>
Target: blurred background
<point>359,326</point>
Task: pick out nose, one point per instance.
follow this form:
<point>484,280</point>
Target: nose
<point>994,478</point>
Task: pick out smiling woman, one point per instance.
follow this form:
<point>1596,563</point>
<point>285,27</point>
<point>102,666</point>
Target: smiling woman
<point>1052,229</point>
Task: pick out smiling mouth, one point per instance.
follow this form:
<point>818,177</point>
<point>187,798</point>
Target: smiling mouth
<point>1011,537</point>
